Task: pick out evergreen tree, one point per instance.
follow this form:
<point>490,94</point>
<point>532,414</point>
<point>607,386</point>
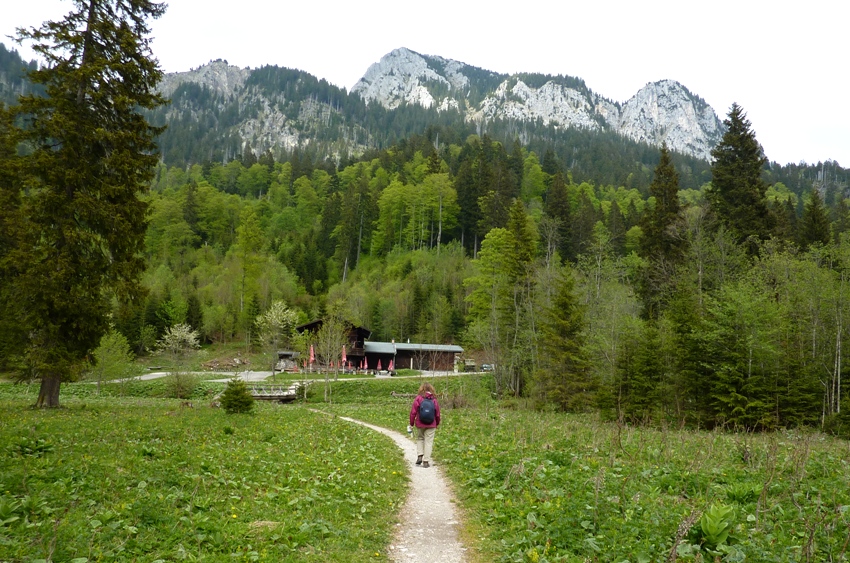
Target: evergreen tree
<point>11,338</point>
<point>785,220</point>
<point>194,313</point>
<point>737,193</point>
<point>659,241</point>
<point>524,241</point>
<point>641,369</point>
<point>90,154</point>
<point>564,377</point>
<point>237,398</point>
<point>558,207</point>
<point>660,245</point>
<point>550,163</point>
<point>584,221</point>
<point>841,219</point>
<point>617,227</point>
<point>814,225</point>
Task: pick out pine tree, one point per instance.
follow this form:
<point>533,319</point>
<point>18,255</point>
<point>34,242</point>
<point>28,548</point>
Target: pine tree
<point>737,193</point>
<point>90,154</point>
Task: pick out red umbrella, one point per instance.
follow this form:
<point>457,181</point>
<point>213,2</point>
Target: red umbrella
<point>312,354</point>
<point>391,366</point>
<point>343,353</point>
<point>379,364</point>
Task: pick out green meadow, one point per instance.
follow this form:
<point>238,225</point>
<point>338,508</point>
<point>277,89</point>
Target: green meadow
<point>135,478</point>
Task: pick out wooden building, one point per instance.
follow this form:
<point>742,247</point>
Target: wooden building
<point>382,355</point>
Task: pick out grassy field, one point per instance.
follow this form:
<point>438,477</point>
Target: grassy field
<point>553,487</point>
<point>144,479</point>
<point>147,480</point>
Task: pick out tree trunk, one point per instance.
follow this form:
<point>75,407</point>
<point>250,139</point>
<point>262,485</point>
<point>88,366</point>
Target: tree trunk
<point>48,394</point>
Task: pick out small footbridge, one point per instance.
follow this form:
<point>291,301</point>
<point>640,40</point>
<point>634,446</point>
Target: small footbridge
<point>281,393</point>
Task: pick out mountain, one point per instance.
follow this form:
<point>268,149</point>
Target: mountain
<point>219,112</point>
<point>663,111</point>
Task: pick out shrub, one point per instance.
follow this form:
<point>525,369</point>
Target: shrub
<point>181,385</point>
<point>236,397</point>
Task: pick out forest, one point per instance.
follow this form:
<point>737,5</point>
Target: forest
<point>717,306</point>
<point>688,293</point>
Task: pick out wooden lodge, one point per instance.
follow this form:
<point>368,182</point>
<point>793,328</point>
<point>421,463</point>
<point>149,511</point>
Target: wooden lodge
<point>381,356</point>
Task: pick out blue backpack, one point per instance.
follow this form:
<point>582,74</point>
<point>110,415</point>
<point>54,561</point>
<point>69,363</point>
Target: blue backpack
<point>427,411</point>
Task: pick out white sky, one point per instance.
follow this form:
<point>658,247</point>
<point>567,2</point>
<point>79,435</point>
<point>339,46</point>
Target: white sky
<point>784,63</point>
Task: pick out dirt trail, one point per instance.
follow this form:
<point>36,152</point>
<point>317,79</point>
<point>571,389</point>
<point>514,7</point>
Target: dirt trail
<point>428,531</point>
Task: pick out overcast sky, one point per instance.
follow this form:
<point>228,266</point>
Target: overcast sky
<point>784,63</point>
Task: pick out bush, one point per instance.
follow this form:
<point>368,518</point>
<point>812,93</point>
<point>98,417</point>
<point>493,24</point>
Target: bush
<point>236,398</point>
<point>181,385</point>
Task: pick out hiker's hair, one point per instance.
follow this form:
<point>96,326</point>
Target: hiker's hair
<point>426,388</point>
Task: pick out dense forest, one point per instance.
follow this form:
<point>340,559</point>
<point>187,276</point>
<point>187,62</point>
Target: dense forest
<point>662,290</point>
<point>721,305</point>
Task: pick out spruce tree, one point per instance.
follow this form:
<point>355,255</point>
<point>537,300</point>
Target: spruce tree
<point>558,207</point>
<point>659,245</point>
<point>564,377</point>
<point>841,219</point>
<point>737,193</point>
<point>617,227</point>
<point>659,242</point>
<point>90,154</point>
<point>814,225</point>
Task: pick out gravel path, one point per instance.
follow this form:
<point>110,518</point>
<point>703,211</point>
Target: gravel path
<point>428,531</point>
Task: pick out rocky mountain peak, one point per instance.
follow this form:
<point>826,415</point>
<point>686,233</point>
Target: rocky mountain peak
<point>218,76</point>
<point>403,75</point>
<point>665,111</point>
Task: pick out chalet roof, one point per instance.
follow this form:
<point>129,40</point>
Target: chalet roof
<point>390,348</point>
<point>379,347</point>
<point>410,346</point>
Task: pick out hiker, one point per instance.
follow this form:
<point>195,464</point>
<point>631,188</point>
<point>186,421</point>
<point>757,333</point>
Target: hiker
<point>426,419</point>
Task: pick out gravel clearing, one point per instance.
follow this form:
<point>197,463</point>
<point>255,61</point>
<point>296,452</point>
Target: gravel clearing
<point>428,531</point>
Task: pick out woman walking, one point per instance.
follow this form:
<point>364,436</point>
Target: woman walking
<point>425,416</point>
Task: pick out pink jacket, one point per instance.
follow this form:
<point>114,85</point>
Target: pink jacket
<point>414,412</point>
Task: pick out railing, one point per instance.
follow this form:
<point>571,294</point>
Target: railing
<point>281,393</point>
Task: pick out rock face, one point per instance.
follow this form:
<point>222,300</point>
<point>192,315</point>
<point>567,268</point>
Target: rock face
<point>404,76</point>
<point>218,76</point>
<point>667,111</point>
<point>663,111</point>
<point>231,109</point>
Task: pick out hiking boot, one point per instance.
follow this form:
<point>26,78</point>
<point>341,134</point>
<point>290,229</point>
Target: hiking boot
<point>419,460</point>
<point>425,464</point>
